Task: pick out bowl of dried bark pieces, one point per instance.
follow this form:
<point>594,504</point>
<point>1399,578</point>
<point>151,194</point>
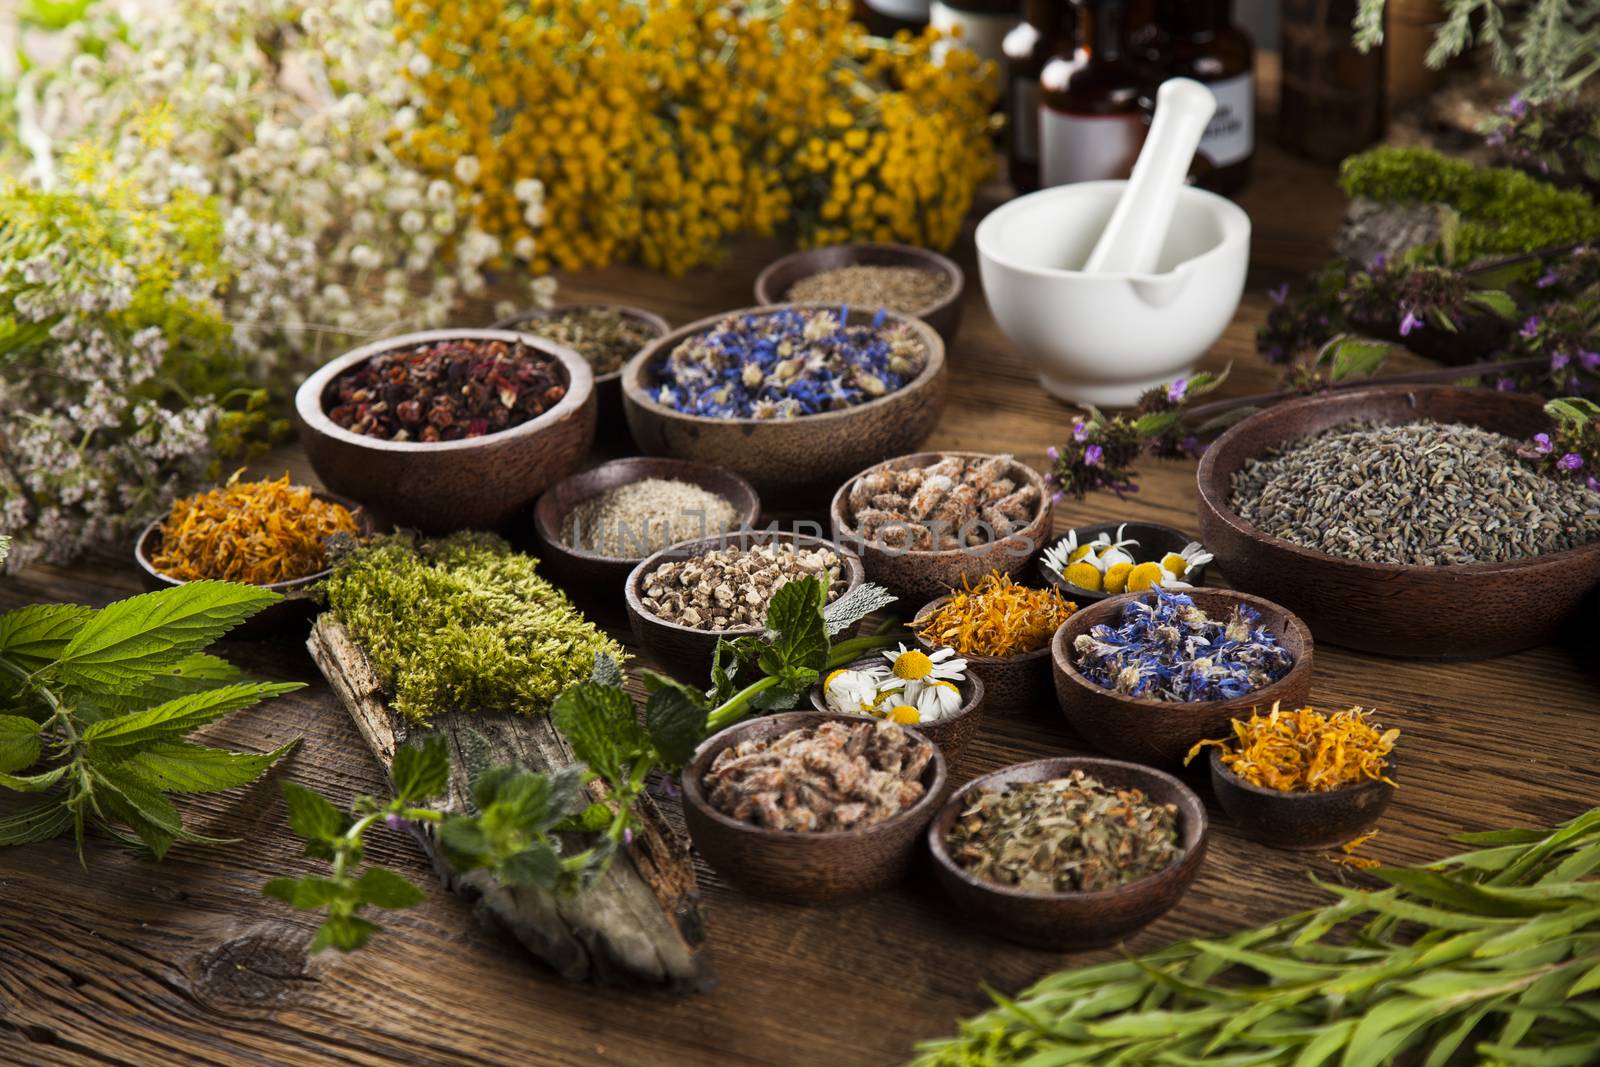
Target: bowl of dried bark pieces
<point>853,798</point>
<point>923,524</point>
<point>1068,853</point>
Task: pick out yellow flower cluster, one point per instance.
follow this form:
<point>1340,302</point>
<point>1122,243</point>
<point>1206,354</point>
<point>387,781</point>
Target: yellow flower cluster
<point>654,129</point>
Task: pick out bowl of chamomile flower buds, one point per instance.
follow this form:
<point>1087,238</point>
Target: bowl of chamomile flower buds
<point>933,691</point>
<point>1092,563</point>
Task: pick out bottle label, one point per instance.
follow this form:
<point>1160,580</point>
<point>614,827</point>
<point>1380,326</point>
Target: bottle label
<point>1025,119</point>
<point>1231,134</point>
<point>1086,148</point>
<point>909,10</point>
<point>981,32</point>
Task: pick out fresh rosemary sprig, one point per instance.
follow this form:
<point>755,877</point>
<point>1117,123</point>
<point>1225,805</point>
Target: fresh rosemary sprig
<point>1494,952</point>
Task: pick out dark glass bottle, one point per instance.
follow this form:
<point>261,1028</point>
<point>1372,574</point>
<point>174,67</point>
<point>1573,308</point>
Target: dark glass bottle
<point>1197,39</point>
<point>1333,102</point>
<point>982,24</point>
<point>1028,47</point>
<point>886,17</point>
<point>1091,125</point>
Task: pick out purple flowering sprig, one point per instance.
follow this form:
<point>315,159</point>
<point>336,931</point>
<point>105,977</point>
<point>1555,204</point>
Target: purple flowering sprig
<point>1556,139</point>
<point>1571,448</point>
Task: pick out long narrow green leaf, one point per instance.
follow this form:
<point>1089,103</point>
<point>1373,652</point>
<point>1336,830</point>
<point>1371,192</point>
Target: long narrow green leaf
<point>1326,1045</point>
<point>180,715</point>
<point>1567,1054</point>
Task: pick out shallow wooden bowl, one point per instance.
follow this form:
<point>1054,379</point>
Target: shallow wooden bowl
<point>1303,821</point>
<point>795,866</point>
<point>299,603</point>
<point>436,487</point>
<point>789,461</point>
<point>944,315</point>
<point>917,575</point>
<point>1155,541</point>
<point>1010,683</point>
<point>1161,732</point>
<point>951,734</point>
<point>1457,612</point>
<point>599,578</point>
<point>610,423</point>
<point>685,652</point>
<point>1073,920</point>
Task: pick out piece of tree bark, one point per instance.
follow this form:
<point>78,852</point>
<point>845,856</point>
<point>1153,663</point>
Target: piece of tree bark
<point>639,923</point>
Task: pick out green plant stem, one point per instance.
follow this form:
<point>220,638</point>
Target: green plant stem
<point>843,653</point>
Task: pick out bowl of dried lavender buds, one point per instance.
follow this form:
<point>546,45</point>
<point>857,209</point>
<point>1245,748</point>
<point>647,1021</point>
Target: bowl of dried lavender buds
<point>1003,630</point>
<point>795,398</point>
<point>927,523</point>
<point>607,335</point>
<point>808,807</point>
<point>1091,563</point>
<point>1144,676</point>
<point>935,693</point>
<point>1402,520</point>
<point>687,597</point>
<point>1304,779</point>
<point>903,278</point>
<point>1068,853</point>
<point>447,429</point>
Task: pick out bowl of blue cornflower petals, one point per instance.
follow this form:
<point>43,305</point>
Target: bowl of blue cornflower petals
<point>1146,675</point>
<point>797,398</point>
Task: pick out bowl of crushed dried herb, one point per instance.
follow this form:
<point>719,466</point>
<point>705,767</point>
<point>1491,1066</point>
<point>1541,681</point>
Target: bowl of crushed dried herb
<point>1068,853</point>
<point>1091,563</point>
<point>607,335</point>
<point>926,523</point>
<point>807,807</point>
<point>936,693</point>
<point>684,599</point>
<point>1304,779</point>
<point>1144,676</point>
<point>1003,630</point>
<point>903,278</point>
<point>448,429</point>
<point>269,533</point>
<point>795,398</point>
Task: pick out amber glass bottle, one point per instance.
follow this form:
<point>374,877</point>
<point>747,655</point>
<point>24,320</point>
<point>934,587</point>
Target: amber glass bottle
<point>982,24</point>
<point>1028,47</point>
<point>885,17</point>
<point>1090,123</point>
<point>1197,39</point>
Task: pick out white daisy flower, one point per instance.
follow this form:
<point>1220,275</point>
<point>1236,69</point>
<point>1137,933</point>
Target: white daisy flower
<point>934,700</point>
<point>915,665</point>
<point>853,692</point>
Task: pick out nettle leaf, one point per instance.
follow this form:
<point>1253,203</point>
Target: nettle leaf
<point>37,822</point>
<point>800,636</point>
<point>346,933</point>
<point>185,767</point>
<point>535,867</point>
<point>590,820</point>
<point>728,661</point>
<point>385,889</point>
<point>33,783</point>
<point>311,816</point>
<point>133,640</point>
<point>606,671</point>
<point>598,721</point>
<point>180,715</point>
<point>677,725</point>
<point>192,674</point>
<point>421,772</point>
<point>309,893</point>
<point>124,797</point>
<point>34,637</point>
<point>465,842</point>
<point>19,743</point>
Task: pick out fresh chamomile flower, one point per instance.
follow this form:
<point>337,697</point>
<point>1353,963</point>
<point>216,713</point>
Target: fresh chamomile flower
<point>1115,579</point>
<point>936,700</point>
<point>1180,563</point>
<point>1150,575</point>
<point>1065,552</point>
<point>905,715</point>
<point>853,692</point>
<point>1115,552</point>
<point>915,665</point>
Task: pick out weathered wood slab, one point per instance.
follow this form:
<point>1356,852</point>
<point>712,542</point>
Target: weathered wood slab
<point>639,924</point>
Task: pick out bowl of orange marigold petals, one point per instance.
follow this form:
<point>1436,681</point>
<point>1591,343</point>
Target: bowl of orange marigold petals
<point>1003,630</point>
<point>1304,779</point>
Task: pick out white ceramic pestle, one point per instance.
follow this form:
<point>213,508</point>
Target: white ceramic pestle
<point>1131,242</point>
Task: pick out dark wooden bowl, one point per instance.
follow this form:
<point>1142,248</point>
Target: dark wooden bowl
<point>795,866</point>
<point>449,485</point>
<point>1303,821</point>
<point>602,578</point>
<point>1063,921</point>
<point>1155,541</point>
<point>1457,612</point>
<point>610,422</point>
<point>952,734</point>
<point>1161,732</point>
<point>789,461</point>
<point>300,602</point>
<point>917,575</point>
<point>685,652</point>
<point>1010,683</point>
<point>944,315</point>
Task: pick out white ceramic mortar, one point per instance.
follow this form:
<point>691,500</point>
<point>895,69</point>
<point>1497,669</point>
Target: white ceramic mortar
<point>1105,338</point>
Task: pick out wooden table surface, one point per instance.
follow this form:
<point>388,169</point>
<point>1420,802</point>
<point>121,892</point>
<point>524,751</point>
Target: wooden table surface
<point>132,961</point>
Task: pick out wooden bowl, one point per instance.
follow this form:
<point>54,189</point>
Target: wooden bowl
<point>1010,683</point>
<point>950,734</point>
<point>610,423</point>
<point>944,315</point>
<point>1155,541</point>
<point>1161,732</point>
<point>1073,920</point>
<point>685,652</point>
<point>299,603</point>
<point>602,578</point>
<point>916,575</point>
<point>448,485</point>
<point>1302,821</point>
<point>1469,611</point>
<point>795,866</point>
<point>800,460</point>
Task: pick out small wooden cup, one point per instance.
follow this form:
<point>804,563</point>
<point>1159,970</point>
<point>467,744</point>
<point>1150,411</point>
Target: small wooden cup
<point>795,866</point>
<point>950,734</point>
<point>1011,683</point>
<point>1161,732</point>
<point>1063,921</point>
<point>1301,821</point>
<point>944,315</point>
<point>1155,541</point>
